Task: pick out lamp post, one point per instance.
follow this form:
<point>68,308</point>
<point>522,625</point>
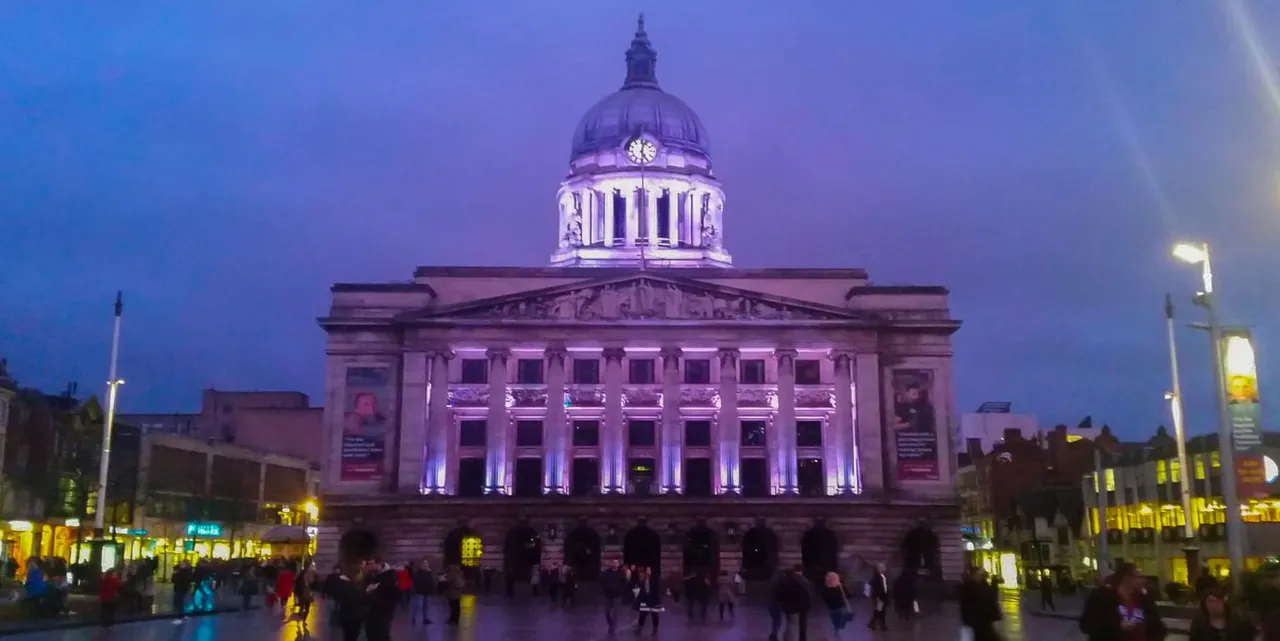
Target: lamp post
<point>113,385</point>
<point>1198,254</point>
<point>1189,549</point>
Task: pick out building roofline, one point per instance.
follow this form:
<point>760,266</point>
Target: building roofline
<point>695,273</point>
<point>868,290</point>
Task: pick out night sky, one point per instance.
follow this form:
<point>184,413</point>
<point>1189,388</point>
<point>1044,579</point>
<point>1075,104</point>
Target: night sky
<point>224,162</point>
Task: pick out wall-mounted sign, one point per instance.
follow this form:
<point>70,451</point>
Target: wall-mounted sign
<point>204,529</point>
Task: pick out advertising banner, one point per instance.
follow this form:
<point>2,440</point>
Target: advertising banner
<point>1240,379</point>
<point>915,425</point>
<point>365,423</point>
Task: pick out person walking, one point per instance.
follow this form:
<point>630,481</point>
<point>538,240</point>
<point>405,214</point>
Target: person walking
<point>182,579</point>
<point>613,584</point>
<point>304,594</point>
<point>1046,594</point>
<point>108,597</point>
<point>383,589</point>
<point>837,601</point>
<point>979,609</point>
<point>285,580</point>
<point>794,601</point>
<point>351,598</point>
<point>648,592</point>
<point>726,594</point>
<point>878,591</point>
<point>424,583</point>
<point>1122,609</point>
<point>247,586</point>
<point>454,583</point>
<point>904,596</point>
<point>1217,622</point>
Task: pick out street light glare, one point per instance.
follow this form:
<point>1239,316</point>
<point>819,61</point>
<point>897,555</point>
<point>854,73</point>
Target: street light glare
<point>1189,252</point>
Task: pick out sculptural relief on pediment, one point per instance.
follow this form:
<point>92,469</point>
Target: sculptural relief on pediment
<point>528,397</point>
<point>815,398</point>
<point>699,397</point>
<point>646,299</point>
<point>757,397</point>
<point>584,396</point>
<point>469,397</point>
<point>642,397</point>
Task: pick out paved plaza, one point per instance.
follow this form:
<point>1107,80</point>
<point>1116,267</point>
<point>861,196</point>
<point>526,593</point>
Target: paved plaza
<point>495,619</point>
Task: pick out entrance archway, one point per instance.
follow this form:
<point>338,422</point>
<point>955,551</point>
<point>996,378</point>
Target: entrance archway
<point>463,547</point>
<point>819,551</point>
<point>521,553</point>
<point>701,551</point>
<point>759,553</point>
<point>356,546</point>
<point>582,553</point>
<point>642,547</point>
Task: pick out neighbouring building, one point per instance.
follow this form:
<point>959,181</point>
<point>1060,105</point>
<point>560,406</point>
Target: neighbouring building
<point>641,398</point>
<point>207,498</point>
<point>995,420</point>
<point>1022,512</point>
<point>280,422</point>
<point>1145,519</point>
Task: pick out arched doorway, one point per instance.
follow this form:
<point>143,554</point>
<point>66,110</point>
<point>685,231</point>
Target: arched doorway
<point>759,553</point>
<point>582,553</point>
<point>819,551</point>
<point>521,553</point>
<point>701,551</point>
<point>463,547</point>
<point>357,545</point>
<point>642,547</point>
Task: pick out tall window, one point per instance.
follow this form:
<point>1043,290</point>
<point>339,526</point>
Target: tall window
<point>642,198</point>
<point>640,474</point>
<point>697,433</point>
<point>586,433</point>
<point>528,477</point>
<point>529,433</point>
<point>529,371</point>
<point>697,477</point>
<point>1175,471</point>
<point>641,371</point>
<point>1199,467</point>
<point>751,371</point>
<point>808,433</point>
<point>755,477</point>
<point>471,433</point>
<point>642,433</point>
<point>664,215</point>
<point>810,477</point>
<point>471,473</point>
<point>619,216</point>
<point>808,372</point>
<point>697,371</point>
<point>1162,472</point>
<point>475,371</point>
<point>586,371</point>
<point>753,434</point>
<point>585,477</point>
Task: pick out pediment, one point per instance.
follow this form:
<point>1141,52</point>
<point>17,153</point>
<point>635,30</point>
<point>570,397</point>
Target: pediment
<point>641,298</point>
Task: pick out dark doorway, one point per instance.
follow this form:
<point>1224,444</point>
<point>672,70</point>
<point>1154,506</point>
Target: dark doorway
<point>521,553</point>
<point>759,553</point>
<point>462,547</point>
<point>356,546</point>
<point>701,551</point>
<point>642,547</point>
<point>819,551</point>
<point>582,553</point>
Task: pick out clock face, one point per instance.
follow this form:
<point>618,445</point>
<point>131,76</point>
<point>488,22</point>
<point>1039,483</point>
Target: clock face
<point>641,151</point>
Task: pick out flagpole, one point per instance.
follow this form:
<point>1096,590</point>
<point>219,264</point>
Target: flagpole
<point>113,385</point>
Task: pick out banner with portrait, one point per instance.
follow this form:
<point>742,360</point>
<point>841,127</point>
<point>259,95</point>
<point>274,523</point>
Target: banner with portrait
<point>914,423</point>
<point>366,422</point>
<point>1240,379</point>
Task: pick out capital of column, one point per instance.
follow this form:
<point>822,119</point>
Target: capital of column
<point>439,352</point>
<point>556,355</point>
<point>841,357</point>
<point>729,356</point>
<point>671,356</point>
<point>500,354</point>
<point>614,353</point>
<point>786,358</point>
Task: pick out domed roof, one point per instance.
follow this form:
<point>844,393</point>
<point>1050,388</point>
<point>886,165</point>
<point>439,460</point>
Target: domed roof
<point>640,106</point>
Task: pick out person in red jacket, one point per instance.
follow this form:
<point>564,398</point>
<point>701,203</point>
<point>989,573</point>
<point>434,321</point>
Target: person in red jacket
<point>404,581</point>
<point>284,589</point>
<point>108,597</point>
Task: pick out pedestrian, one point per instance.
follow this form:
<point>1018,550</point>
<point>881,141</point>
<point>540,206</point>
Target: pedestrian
<point>878,592</point>
<point>979,609</point>
<point>331,590</point>
<point>248,586</point>
<point>34,589</point>
<point>352,600</point>
<point>1046,594</point>
<point>904,596</point>
<point>304,595</point>
<point>1122,609</point>
<point>454,582</point>
<point>775,606</point>
<point>108,597</point>
<point>1217,622</point>
<point>553,585</point>
<point>404,581</point>
<point>794,601</point>
<point>569,588</point>
<point>384,597</point>
<point>182,579</point>
<point>424,583</point>
<point>648,594</point>
<point>284,589</point>
<point>613,583</point>
<point>837,601</point>
<point>535,579</point>
<point>727,594</point>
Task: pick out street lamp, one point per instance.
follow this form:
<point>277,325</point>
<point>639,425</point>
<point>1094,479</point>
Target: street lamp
<point>1179,429</point>
<point>1198,254</point>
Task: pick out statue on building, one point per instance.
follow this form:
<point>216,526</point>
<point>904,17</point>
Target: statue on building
<point>710,235</point>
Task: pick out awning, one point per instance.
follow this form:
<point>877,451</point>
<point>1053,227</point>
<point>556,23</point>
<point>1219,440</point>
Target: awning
<point>285,534</point>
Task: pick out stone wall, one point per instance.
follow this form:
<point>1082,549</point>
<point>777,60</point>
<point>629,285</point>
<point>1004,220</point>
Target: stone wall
<point>865,531</point>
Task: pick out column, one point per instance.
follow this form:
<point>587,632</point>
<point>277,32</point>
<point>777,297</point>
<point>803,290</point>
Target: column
<point>869,430</point>
<point>730,436</point>
<point>609,213</point>
<point>554,430</point>
<point>651,214</point>
<point>784,422</point>
<point>633,216</point>
<point>412,442</point>
<point>673,217</point>
<point>439,424</point>
<point>671,452</point>
<point>840,444</point>
<point>612,445</point>
<point>496,433</point>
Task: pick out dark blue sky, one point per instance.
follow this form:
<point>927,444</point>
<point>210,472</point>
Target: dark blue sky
<point>224,162</point>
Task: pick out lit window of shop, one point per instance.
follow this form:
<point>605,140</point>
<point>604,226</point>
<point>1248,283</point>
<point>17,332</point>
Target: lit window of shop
<point>1172,516</point>
<point>1214,461</point>
<point>1111,479</point>
<point>1162,472</point>
<point>1115,518</point>
<point>1175,471</point>
<point>1199,468</point>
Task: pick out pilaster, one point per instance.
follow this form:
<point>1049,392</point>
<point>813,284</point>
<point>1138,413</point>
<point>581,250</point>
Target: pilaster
<point>613,443</point>
<point>555,429</point>
<point>439,425</point>
<point>497,427</point>
<point>729,437</point>
<point>784,422</point>
<point>870,425</point>
<point>670,443</point>
<point>412,441</point>
<point>841,446</point>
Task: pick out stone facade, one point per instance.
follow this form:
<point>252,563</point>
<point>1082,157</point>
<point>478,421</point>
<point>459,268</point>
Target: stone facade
<point>617,352</point>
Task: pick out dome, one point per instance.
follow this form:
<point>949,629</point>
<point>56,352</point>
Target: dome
<point>640,106</point>
<point>617,117</point>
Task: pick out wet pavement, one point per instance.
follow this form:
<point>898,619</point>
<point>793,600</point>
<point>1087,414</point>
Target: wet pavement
<point>496,619</point>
